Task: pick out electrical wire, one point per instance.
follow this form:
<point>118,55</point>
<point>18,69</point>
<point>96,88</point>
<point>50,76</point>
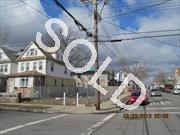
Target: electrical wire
<point>75,20</point>
<point>169,44</point>
<point>140,9</point>
<point>156,31</point>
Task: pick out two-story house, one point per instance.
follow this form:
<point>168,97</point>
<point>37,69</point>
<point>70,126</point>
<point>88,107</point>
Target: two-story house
<point>8,65</point>
<point>38,70</point>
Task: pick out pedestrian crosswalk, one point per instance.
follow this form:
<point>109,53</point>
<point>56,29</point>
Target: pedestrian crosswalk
<point>160,103</point>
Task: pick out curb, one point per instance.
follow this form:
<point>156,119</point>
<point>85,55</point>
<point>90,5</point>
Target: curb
<point>116,110</point>
<point>26,110</point>
<point>55,112</point>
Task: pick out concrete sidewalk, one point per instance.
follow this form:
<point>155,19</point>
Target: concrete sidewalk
<point>106,107</point>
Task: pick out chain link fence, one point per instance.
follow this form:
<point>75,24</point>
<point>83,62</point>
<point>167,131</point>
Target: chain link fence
<point>86,95</point>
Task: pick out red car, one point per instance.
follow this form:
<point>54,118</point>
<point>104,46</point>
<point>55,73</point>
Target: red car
<point>135,95</point>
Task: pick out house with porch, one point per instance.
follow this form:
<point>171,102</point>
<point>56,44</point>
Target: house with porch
<point>39,70</point>
<point>8,65</point>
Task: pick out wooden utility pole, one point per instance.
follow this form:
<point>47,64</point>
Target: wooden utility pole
<point>95,34</point>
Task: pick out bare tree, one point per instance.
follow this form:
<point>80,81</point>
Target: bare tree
<point>79,55</point>
<point>139,69</point>
<point>160,78</point>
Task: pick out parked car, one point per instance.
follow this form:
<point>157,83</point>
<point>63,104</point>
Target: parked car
<point>155,92</point>
<point>176,91</point>
<point>161,89</point>
<point>168,90</point>
<point>135,95</point>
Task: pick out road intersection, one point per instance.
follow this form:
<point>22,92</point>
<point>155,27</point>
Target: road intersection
<point>21,123</point>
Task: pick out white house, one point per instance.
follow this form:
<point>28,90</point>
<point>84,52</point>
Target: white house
<point>82,79</point>
<point>8,65</point>
<point>37,69</point>
<point>120,76</point>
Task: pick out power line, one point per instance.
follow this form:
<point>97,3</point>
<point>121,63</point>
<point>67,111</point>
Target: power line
<point>114,20</point>
<point>125,10</point>
<point>112,44</point>
<point>140,9</point>
<point>107,36</point>
<point>79,13</point>
<point>81,27</point>
<point>119,40</point>
<point>90,16</point>
<point>35,9</point>
<point>152,11</point>
<point>127,50</point>
<point>170,44</point>
<point>158,31</point>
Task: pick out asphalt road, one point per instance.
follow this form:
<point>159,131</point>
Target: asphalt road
<point>163,118</point>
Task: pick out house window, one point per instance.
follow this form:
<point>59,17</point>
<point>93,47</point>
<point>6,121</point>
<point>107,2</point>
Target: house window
<point>55,82</point>
<point>61,57</point>
<point>65,70</point>
<point>22,66</point>
<point>36,52</point>
<point>34,65</point>
<point>52,66</point>
<point>31,52</point>
<point>0,56</point>
<point>40,65</point>
<point>6,68</point>
<point>1,68</point>
<point>24,82</point>
<point>62,84</point>
<point>27,53</point>
<point>27,66</point>
<point>57,55</point>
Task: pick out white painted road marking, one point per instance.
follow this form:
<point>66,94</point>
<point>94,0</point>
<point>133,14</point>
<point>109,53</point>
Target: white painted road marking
<point>99,124</point>
<point>162,103</point>
<point>168,102</point>
<point>30,123</point>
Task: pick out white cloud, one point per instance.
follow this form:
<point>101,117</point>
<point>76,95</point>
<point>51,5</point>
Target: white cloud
<point>131,2</point>
<point>157,55</point>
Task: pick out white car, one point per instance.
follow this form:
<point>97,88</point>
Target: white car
<point>176,91</point>
<point>155,92</point>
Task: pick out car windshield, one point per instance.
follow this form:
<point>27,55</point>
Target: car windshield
<point>136,94</point>
<point>154,89</point>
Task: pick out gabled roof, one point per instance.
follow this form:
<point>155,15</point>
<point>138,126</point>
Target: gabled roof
<point>10,54</point>
<point>46,55</point>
